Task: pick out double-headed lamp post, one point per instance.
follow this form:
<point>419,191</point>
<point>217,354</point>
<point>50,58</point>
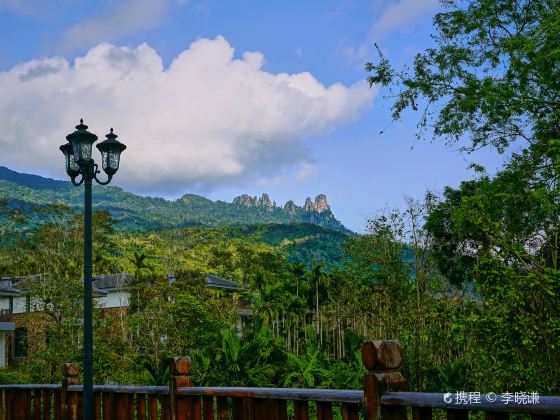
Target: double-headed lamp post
<point>77,153</point>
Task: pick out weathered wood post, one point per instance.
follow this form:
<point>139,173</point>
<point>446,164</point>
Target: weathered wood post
<point>70,372</point>
<point>382,360</point>
<point>180,367</point>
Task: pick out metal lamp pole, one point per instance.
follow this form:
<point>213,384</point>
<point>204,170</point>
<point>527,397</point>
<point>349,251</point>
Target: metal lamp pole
<point>77,153</point>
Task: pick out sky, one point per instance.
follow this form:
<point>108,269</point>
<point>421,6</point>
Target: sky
<point>222,98</point>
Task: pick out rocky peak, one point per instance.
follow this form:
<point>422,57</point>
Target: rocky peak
<point>248,201</point>
<point>308,206</point>
<point>321,204</point>
<point>290,207</point>
<point>264,201</point>
<point>245,200</point>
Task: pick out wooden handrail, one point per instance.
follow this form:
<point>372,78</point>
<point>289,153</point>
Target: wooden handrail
<point>383,397</point>
<point>293,394</point>
<point>332,395</point>
<point>31,387</point>
<point>547,405</point>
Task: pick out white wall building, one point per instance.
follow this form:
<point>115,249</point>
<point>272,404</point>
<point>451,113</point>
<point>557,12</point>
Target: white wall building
<point>110,291</point>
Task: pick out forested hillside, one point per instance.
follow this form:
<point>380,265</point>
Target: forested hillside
<point>137,212</point>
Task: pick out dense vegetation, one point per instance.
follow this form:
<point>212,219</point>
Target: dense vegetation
<point>134,212</point>
<point>493,80</point>
<point>468,282</point>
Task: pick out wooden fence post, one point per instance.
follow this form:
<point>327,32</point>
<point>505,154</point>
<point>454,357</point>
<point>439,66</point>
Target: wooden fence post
<point>70,372</point>
<point>382,360</point>
<point>179,367</point>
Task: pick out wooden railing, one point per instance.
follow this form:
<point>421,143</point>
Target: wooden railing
<point>383,396</point>
<point>145,402</point>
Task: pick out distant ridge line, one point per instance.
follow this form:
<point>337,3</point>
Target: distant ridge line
<point>36,182</point>
<point>140,212</point>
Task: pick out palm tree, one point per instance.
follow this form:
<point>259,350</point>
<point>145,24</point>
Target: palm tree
<point>141,269</point>
<point>304,371</point>
<point>248,361</point>
<point>298,270</point>
<point>316,276</point>
<point>142,275</point>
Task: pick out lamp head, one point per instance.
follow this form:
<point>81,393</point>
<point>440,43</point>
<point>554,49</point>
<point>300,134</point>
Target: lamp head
<point>72,168</point>
<point>111,150</point>
<point>81,141</point>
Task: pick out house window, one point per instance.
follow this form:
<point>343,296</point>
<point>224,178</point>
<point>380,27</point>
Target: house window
<point>20,338</point>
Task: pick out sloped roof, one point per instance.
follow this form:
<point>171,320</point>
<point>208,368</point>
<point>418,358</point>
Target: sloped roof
<point>9,291</point>
<point>111,282</point>
<point>19,283</point>
<point>14,286</point>
<point>220,283</point>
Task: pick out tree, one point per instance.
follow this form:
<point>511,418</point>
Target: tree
<point>305,371</point>
<point>493,77</point>
<point>52,251</point>
<point>502,235</point>
<point>316,275</point>
<point>493,80</point>
<point>251,360</point>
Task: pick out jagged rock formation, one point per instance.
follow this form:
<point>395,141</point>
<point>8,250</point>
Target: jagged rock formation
<point>321,204</point>
<point>265,202</point>
<point>290,207</point>
<point>245,200</point>
<point>262,201</point>
<point>308,206</point>
<point>25,192</point>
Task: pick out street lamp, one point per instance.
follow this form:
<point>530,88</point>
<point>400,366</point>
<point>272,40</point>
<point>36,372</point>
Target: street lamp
<point>77,153</point>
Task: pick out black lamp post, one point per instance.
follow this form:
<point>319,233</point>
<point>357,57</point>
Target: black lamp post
<point>77,153</point>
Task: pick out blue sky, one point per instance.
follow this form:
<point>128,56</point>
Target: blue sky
<point>222,98</point>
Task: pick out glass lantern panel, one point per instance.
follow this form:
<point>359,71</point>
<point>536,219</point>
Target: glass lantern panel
<point>72,165</point>
<point>67,161</point>
<point>76,151</point>
<point>113,160</point>
<point>86,151</point>
<point>104,160</point>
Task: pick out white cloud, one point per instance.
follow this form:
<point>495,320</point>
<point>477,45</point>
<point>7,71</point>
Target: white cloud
<point>402,12</point>
<point>125,18</point>
<point>207,119</point>
<point>307,171</point>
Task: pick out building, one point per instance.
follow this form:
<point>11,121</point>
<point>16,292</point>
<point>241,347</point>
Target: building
<point>7,327</point>
<point>111,293</point>
<point>112,290</point>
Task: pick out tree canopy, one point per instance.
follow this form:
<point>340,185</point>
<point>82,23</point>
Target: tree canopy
<point>492,78</point>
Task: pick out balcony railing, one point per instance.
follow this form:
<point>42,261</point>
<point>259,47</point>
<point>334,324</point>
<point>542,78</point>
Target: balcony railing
<point>382,397</point>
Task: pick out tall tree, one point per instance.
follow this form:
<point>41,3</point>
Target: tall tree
<point>493,77</point>
<point>493,80</point>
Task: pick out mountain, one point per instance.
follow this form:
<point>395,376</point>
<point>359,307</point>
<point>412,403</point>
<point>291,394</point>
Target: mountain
<point>136,212</point>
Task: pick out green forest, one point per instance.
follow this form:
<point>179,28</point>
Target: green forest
<point>468,280</point>
<point>135,212</point>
